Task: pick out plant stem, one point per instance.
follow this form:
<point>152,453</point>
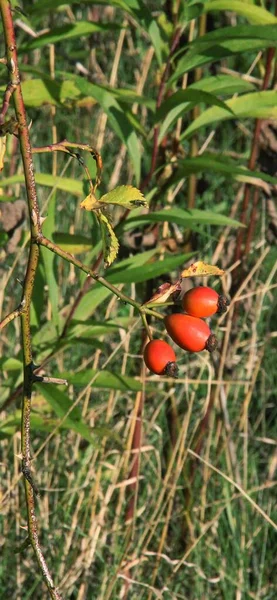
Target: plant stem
<point>43,241</point>
<point>14,91</point>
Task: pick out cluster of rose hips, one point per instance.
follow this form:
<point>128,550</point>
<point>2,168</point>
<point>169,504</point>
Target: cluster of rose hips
<point>188,331</point>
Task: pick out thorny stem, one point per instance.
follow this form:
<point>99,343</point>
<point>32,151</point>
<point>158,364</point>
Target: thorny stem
<point>14,90</point>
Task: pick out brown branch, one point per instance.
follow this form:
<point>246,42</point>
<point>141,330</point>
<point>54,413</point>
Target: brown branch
<point>14,88</point>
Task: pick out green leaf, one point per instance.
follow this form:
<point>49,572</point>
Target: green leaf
<point>98,294</point>
<point>191,9</point>
<point>68,31</point>
<point>126,196</point>
<point>180,103</point>
<point>37,92</point>
<point>4,198</point>
<point>10,364</point>
<point>185,218</point>
<point>254,14</point>
<point>212,163</point>
<point>190,97</point>
<point>149,270</point>
<point>226,41</point>
<point>104,379</point>
<point>61,403</point>
<point>109,239</point>
<point>74,244</point>
<point>3,238</point>
<point>91,328</point>
<point>65,184</point>
<point>224,85</point>
<point>258,105</point>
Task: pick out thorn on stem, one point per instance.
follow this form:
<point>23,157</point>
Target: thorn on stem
<point>27,474</point>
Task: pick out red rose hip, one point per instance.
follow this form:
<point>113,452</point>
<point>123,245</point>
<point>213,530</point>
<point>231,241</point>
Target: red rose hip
<point>190,333</point>
<point>160,358</point>
<point>204,302</point>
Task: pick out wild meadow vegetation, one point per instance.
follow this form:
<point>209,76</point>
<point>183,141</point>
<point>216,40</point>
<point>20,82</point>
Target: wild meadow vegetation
<point>117,483</point>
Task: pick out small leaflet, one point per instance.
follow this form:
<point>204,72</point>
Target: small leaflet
<point>200,268</point>
<point>109,239</point>
<point>90,202</point>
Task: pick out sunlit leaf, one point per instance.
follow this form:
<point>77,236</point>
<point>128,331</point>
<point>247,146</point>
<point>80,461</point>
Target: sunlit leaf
<point>73,186</point>
<point>126,196</point>
<point>258,105</point>
<point>222,42</point>
<point>200,269</point>
<point>254,14</point>
<point>90,202</point>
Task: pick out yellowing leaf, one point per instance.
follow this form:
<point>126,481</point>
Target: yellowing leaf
<point>110,241</point>
<point>89,203</point>
<point>163,293</point>
<point>126,196</point>
<point>200,268</point>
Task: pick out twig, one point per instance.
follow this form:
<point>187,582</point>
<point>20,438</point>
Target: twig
<point>43,241</point>
<point>11,316</point>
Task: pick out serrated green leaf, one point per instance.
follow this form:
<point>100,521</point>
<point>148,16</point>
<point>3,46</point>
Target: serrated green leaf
<point>126,196</point>
<point>109,239</point>
<point>258,105</point>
